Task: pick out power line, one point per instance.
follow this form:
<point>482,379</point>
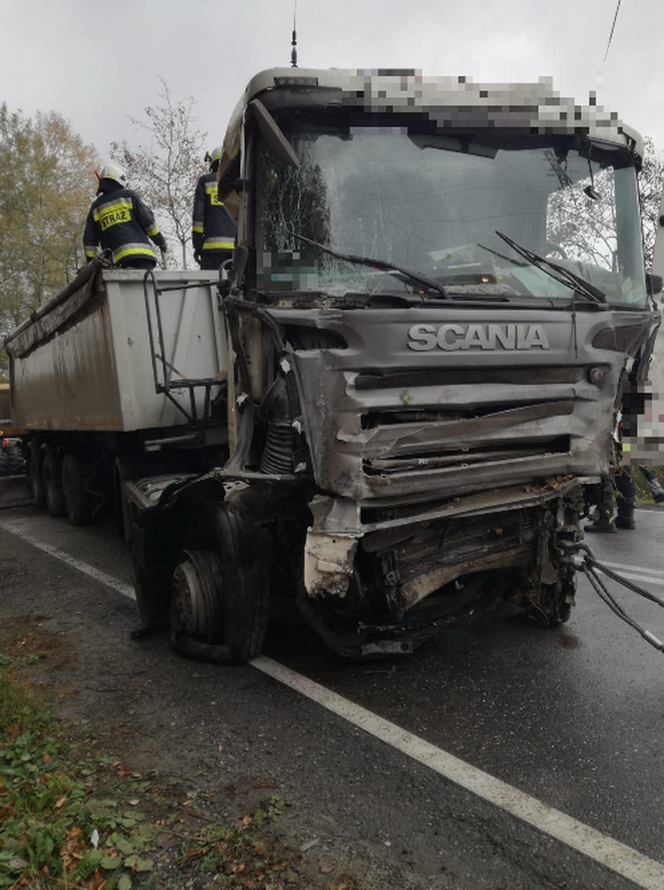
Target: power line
<point>613,28</point>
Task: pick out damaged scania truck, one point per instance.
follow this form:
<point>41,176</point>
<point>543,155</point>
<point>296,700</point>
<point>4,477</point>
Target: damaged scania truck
<point>437,294</point>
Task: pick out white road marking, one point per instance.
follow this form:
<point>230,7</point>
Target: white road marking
<point>16,528</point>
<point>648,579</point>
<point>623,860</point>
<point>606,851</point>
<point>639,569</point>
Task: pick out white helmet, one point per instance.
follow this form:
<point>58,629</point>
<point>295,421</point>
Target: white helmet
<point>114,171</point>
<point>214,155</point>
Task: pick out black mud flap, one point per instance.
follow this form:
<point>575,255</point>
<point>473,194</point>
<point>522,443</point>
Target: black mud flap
<point>156,541</point>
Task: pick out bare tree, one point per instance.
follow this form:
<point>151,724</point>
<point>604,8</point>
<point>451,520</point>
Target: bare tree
<point>651,183</point>
<point>165,169</point>
<point>588,229</point>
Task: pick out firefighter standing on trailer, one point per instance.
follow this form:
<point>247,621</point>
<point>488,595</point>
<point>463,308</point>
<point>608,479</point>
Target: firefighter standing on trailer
<point>121,222</point>
<point>213,230</point>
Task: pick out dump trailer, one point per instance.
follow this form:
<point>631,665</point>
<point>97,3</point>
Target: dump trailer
<point>437,298</point>
<point>121,374</point>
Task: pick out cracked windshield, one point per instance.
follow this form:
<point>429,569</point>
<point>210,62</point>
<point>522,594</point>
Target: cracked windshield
<point>436,205</point>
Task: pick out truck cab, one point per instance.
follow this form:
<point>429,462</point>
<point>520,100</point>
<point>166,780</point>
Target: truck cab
<point>389,413</point>
<point>438,294</point>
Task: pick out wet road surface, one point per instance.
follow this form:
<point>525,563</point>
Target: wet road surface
<point>573,717</point>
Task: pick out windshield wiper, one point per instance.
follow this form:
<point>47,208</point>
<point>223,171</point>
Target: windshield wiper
<point>564,276</point>
<point>382,265</point>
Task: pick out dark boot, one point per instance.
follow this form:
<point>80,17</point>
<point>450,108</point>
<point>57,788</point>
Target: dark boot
<point>626,490</point>
<point>603,513</point>
<point>625,522</point>
<point>602,528</point>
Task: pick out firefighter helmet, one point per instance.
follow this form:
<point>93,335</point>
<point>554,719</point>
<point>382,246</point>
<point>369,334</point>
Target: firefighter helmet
<point>115,172</point>
<point>214,155</point>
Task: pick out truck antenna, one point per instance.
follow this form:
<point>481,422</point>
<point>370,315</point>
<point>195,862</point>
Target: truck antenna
<point>613,28</point>
<point>293,56</point>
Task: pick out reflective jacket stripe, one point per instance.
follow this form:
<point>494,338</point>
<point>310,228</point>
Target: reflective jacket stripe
<point>90,250</point>
<point>133,250</point>
<point>112,205</point>
<point>213,244</point>
<point>197,227</point>
<point>153,231</point>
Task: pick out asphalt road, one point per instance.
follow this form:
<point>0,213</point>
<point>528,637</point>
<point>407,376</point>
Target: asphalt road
<point>573,717</point>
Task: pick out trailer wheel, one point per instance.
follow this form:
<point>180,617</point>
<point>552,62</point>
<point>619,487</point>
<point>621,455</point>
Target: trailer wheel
<point>55,501</point>
<point>220,604</point>
<point>35,474</point>
<point>80,504</point>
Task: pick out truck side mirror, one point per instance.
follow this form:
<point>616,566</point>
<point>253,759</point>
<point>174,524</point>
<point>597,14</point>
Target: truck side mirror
<point>654,284</point>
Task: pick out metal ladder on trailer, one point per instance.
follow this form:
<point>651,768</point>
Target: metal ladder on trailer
<point>169,380</point>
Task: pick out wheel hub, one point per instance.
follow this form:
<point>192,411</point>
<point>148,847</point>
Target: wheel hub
<point>197,594</point>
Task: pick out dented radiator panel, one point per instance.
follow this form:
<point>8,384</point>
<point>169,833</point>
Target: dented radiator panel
<point>506,398</point>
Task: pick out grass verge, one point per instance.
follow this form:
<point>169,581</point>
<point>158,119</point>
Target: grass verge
<point>72,816</point>
<point>53,832</point>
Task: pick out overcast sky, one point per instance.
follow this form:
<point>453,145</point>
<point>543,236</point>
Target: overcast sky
<point>95,62</point>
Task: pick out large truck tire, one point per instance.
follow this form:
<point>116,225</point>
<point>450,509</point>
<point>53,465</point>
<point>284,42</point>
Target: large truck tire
<point>35,477</point>
<point>55,501</point>
<point>245,563</point>
<point>221,598</point>
<point>80,504</point>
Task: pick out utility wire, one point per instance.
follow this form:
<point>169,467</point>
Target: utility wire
<point>613,28</point>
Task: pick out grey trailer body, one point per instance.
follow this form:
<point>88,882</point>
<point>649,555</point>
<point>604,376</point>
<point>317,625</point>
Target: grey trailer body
<point>437,299</point>
<point>86,365</point>
<point>110,376</point>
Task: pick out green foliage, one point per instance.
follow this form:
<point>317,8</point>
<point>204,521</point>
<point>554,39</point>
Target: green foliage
<point>52,833</point>
<point>46,185</point>
<point>242,856</point>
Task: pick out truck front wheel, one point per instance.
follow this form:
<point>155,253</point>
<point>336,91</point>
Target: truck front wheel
<point>220,603</point>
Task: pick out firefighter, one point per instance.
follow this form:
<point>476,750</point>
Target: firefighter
<point>213,230</point>
<point>119,221</point>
